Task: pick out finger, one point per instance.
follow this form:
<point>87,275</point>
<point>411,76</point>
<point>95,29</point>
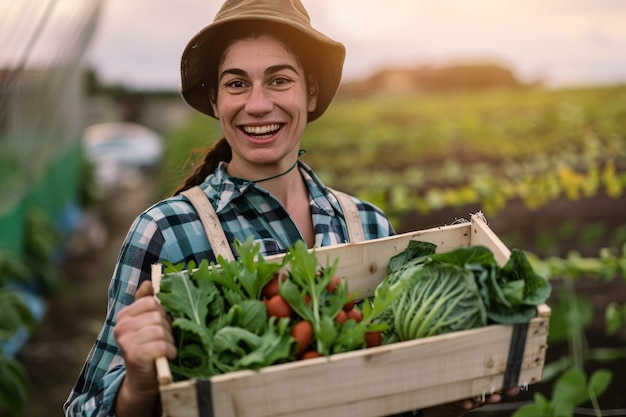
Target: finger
<point>152,332</point>
<point>144,290</point>
<point>469,404</point>
<point>142,306</point>
<point>493,398</point>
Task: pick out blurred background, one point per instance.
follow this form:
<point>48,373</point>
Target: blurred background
<point>446,108</point>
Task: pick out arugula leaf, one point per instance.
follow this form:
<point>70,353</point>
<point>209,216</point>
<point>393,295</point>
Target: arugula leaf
<point>251,272</point>
<point>192,361</point>
<point>322,306</point>
<point>350,336</point>
<point>183,298</point>
<point>251,315</point>
<point>276,345</point>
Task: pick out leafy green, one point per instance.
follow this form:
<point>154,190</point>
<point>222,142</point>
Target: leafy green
<point>248,275</point>
<point>219,323</point>
<point>459,289</point>
<point>306,291</point>
<point>415,249</point>
<point>513,292</point>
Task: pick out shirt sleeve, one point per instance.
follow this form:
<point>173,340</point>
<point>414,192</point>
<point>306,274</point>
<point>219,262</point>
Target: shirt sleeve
<point>96,388</point>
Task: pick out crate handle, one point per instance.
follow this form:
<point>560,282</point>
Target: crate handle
<point>164,375</point>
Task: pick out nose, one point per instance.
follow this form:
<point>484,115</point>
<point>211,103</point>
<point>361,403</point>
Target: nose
<point>259,101</point>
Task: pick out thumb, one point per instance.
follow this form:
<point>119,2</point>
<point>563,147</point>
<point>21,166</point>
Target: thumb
<point>145,289</point>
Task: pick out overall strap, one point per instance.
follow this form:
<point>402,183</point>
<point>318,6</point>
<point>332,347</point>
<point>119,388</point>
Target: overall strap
<point>210,222</point>
<point>215,232</point>
<point>351,214</point>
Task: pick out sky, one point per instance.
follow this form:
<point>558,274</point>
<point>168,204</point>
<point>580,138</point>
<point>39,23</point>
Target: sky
<point>562,42</point>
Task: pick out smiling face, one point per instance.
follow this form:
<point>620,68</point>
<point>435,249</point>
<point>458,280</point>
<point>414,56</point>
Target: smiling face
<point>262,101</point>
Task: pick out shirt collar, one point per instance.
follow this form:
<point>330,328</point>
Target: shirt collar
<point>222,189</point>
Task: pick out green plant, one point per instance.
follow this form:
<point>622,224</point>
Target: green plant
<point>14,385</point>
<point>572,389</point>
<point>14,315</point>
<point>42,242</point>
<point>34,271</point>
<point>572,313</point>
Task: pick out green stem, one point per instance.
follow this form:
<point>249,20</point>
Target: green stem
<point>575,338</point>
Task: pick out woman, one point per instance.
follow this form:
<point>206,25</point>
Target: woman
<point>264,72</point>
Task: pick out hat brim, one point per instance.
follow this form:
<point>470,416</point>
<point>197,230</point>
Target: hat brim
<point>325,61</point>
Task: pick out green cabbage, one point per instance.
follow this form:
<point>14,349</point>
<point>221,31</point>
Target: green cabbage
<point>460,289</point>
<point>441,298</point>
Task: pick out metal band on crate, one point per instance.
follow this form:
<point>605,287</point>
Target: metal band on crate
<point>203,397</point>
<point>516,355</point>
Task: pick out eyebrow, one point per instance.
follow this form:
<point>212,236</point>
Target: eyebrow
<point>270,70</point>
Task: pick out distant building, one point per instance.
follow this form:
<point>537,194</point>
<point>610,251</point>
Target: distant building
<point>433,79</point>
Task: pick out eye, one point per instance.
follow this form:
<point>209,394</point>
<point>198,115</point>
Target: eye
<point>235,84</point>
<point>280,82</point>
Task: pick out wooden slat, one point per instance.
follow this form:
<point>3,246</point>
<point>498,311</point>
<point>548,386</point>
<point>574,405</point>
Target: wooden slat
<point>483,235</point>
<point>472,360</point>
<point>364,264</point>
<point>178,399</point>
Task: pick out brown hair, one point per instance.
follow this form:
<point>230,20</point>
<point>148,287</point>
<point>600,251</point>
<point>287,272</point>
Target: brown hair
<point>220,151</point>
<point>291,39</point>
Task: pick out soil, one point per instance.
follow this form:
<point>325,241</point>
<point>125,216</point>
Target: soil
<point>54,356</point>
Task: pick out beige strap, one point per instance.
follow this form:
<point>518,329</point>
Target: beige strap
<point>210,222</point>
<point>351,214</point>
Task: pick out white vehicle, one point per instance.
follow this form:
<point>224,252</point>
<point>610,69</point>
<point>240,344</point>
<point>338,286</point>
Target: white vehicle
<point>122,153</point>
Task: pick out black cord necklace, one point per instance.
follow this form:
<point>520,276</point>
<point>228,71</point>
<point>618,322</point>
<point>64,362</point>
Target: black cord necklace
<point>301,152</point>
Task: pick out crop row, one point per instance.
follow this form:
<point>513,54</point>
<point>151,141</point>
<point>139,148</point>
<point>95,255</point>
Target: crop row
<point>423,153</point>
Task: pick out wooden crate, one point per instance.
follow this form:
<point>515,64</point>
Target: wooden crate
<point>381,380</point>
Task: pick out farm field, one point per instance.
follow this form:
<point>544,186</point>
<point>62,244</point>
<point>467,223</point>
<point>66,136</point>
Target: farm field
<point>503,151</point>
<point>546,167</point>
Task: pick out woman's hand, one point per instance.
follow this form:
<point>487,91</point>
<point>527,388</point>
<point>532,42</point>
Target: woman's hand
<point>459,408</point>
<point>144,333</point>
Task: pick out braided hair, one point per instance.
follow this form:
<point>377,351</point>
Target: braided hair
<point>220,151</point>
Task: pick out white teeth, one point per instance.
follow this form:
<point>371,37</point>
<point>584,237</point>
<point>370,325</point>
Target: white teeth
<point>261,130</point>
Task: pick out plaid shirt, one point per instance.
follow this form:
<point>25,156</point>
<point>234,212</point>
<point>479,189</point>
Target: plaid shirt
<point>171,231</point>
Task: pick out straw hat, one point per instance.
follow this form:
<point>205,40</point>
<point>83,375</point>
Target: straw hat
<point>321,56</point>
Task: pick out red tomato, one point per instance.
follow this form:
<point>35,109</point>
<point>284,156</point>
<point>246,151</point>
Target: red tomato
<point>277,306</point>
<point>350,304</point>
<point>355,314</point>
<point>341,317</point>
<point>303,333</point>
<point>310,354</point>
<point>373,339</point>
<point>332,286</point>
<point>271,288</point>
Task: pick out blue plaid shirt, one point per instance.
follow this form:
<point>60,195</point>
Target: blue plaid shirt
<point>171,231</point>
